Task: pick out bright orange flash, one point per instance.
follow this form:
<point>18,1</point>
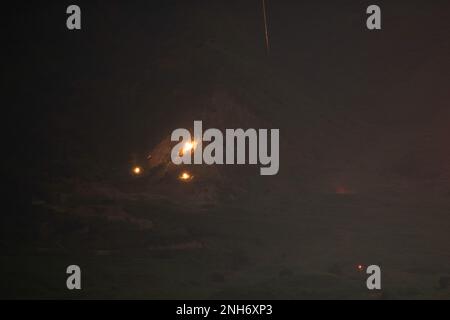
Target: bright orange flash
<point>188,147</point>
<point>137,170</point>
<point>185,176</point>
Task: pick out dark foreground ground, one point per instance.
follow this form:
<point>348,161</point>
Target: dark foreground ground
<point>156,249</point>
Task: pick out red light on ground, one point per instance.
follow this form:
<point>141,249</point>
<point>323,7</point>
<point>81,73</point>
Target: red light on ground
<point>360,267</point>
<point>342,190</point>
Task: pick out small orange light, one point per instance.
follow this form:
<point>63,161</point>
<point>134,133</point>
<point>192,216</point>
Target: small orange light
<point>188,147</point>
<point>360,267</point>
<point>185,176</point>
<point>137,170</point>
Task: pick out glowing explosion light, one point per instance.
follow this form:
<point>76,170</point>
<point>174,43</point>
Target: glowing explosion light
<point>188,147</point>
<point>185,176</point>
<point>137,170</point>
